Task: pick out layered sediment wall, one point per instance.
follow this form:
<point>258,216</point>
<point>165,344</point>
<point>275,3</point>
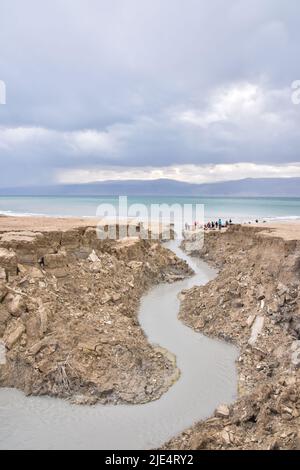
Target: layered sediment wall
<point>68,315</point>
<point>254,303</point>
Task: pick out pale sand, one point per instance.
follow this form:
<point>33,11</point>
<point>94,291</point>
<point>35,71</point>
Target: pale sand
<point>287,230</point>
<point>45,224</point>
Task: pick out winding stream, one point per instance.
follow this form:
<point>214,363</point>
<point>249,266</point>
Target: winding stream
<point>208,378</point>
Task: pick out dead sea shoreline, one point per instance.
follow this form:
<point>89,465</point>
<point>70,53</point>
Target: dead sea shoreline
<point>253,303</point>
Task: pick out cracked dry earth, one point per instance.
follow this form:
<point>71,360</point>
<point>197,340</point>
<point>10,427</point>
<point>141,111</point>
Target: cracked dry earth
<point>68,316</point>
<point>254,303</point>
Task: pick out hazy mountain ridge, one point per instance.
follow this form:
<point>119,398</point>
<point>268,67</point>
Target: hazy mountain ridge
<point>262,187</point>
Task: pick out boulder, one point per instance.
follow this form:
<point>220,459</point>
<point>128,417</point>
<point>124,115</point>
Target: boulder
<point>96,267</point>
<point>281,289</point>
<point>2,353</point>
<point>60,272</point>
<point>22,269</point>
<point>222,411</point>
<point>16,304</point>
<point>35,273</point>
<point>200,441</point>
<point>2,274</point>
<point>226,437</point>
<point>14,336</point>
<point>93,257</point>
<point>70,239</point>
<point>295,357</point>
<point>8,261</point>
<point>88,346</point>
<point>250,320</point>
<point>256,330</point>
<point>4,316</point>
<point>105,298</point>
<point>43,320</point>
<point>3,290</point>
<point>35,348</point>
<point>135,265</point>
<point>55,260</point>
<point>116,296</point>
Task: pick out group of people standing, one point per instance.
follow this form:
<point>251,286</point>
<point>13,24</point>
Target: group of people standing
<point>212,225</point>
<point>217,224</point>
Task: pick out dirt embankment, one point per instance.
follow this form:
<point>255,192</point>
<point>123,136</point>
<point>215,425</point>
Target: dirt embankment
<point>68,315</point>
<point>255,303</point>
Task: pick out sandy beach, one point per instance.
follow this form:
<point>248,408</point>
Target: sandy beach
<point>286,230</point>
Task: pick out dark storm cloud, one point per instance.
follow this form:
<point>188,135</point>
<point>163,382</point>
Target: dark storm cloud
<point>96,84</point>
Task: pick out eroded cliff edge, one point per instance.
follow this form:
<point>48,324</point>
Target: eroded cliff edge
<point>68,315</point>
<point>255,303</point>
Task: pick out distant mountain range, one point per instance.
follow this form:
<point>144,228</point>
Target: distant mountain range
<point>250,187</point>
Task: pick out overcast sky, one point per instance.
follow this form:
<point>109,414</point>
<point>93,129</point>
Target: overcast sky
<point>194,90</point>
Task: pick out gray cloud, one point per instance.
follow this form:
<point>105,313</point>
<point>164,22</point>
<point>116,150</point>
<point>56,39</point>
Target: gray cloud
<point>94,84</point>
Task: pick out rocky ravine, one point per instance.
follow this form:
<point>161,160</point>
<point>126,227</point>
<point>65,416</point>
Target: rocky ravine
<point>68,316</point>
<point>255,303</point>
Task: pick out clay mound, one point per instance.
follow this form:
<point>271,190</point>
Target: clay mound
<point>68,315</point>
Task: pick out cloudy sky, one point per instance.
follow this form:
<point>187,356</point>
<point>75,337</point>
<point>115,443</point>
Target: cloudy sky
<point>119,89</point>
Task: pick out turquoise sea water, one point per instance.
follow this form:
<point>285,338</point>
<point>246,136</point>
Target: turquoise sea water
<point>238,209</point>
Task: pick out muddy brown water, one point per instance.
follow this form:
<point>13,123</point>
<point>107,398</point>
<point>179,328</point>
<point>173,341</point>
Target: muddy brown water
<point>208,378</point>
